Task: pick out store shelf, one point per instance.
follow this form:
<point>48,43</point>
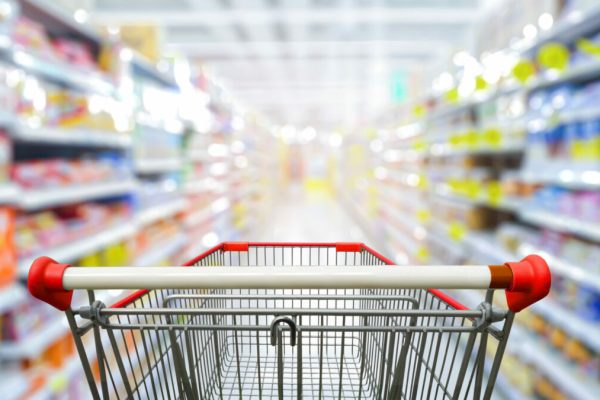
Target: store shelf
<point>579,73</point>
<point>155,166</point>
<point>13,385</point>
<point>160,252</point>
<point>8,193</point>
<point>160,211</point>
<point>485,244</point>
<point>568,320</point>
<point>507,204</point>
<point>42,198</point>
<point>571,28</point>
<point>79,248</point>
<point>57,70</point>
<point>528,348</point>
<point>447,150</point>
<point>586,179</point>
<point>563,268</point>
<point>562,223</point>
<point>69,137</point>
<point>35,343</point>
<point>11,296</point>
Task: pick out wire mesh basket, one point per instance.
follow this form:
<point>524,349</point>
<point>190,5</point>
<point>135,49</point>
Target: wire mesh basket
<point>281,320</point>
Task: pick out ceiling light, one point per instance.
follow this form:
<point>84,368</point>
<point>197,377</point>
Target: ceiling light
<point>530,31</point>
<point>545,21</point>
<point>80,15</point>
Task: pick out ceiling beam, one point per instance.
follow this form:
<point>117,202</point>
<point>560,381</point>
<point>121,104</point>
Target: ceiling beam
<point>277,49</point>
<point>288,16</point>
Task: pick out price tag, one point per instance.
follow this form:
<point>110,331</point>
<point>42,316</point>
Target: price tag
<point>423,215</point>
<point>472,189</point>
<point>495,193</point>
<point>419,110</point>
<point>471,139</point>
<point>422,254</point>
<point>58,383</point>
<point>480,83</point>
<point>451,95</point>
<point>588,47</point>
<point>523,70</point>
<point>456,231</point>
<point>493,137</point>
<point>422,184</point>
<point>420,145</point>
<point>554,56</point>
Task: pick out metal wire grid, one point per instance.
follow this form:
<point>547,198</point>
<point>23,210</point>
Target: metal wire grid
<point>350,355</point>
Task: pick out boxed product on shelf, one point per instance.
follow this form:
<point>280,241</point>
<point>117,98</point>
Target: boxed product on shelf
<point>39,231</point>
<point>153,192</point>
<point>49,173</point>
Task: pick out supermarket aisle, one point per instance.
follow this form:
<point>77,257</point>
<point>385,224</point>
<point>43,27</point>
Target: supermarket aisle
<point>302,217</point>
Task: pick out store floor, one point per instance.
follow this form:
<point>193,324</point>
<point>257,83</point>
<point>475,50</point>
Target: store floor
<point>300,216</point>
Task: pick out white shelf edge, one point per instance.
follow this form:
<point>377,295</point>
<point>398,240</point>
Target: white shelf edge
<point>72,251</point>
<point>563,375</point>
<point>40,198</point>
<point>11,296</point>
<point>149,166</point>
<point>564,268</point>
<point>32,345</point>
<point>561,223</point>
<point>161,251</point>
<point>70,136</point>
<point>160,211</point>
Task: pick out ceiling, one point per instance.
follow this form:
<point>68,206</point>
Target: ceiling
<point>325,63</point>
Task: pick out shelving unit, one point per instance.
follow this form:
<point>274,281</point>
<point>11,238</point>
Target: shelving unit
<point>172,207</point>
<point>429,219</point>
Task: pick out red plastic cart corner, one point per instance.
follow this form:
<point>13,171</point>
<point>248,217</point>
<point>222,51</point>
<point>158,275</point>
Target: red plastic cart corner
<point>45,283</point>
<point>531,282</point>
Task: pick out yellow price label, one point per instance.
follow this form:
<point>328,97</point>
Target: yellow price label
<point>588,47</point>
<point>423,215</point>
<point>493,137</point>
<point>451,95</point>
<point>58,383</point>
<point>471,138</point>
<point>418,110</point>
<point>554,56</point>
<point>456,231</point>
<point>419,145</point>
<point>422,254</point>
<point>480,83</point>
<point>422,182</point>
<point>472,189</point>
<point>455,140</point>
<point>523,70</point>
<point>495,193</point>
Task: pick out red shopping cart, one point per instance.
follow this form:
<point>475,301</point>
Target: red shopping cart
<point>285,320</point>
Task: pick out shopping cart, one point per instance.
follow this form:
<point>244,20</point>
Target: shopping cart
<point>281,320</point>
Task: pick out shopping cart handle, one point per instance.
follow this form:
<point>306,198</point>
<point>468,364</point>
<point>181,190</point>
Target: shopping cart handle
<point>531,281</point>
<point>525,282</point>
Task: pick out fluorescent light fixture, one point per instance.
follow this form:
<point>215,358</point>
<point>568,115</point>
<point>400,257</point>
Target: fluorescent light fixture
<point>545,21</point>
<point>81,16</point>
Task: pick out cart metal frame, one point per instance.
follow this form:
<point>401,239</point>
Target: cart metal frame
<point>291,320</point>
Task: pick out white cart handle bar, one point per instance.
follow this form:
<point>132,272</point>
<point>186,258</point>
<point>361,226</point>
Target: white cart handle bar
<point>525,282</point>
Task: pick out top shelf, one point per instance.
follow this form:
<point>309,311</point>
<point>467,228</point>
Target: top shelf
<point>145,69</point>
<point>574,26</point>
<point>58,71</point>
